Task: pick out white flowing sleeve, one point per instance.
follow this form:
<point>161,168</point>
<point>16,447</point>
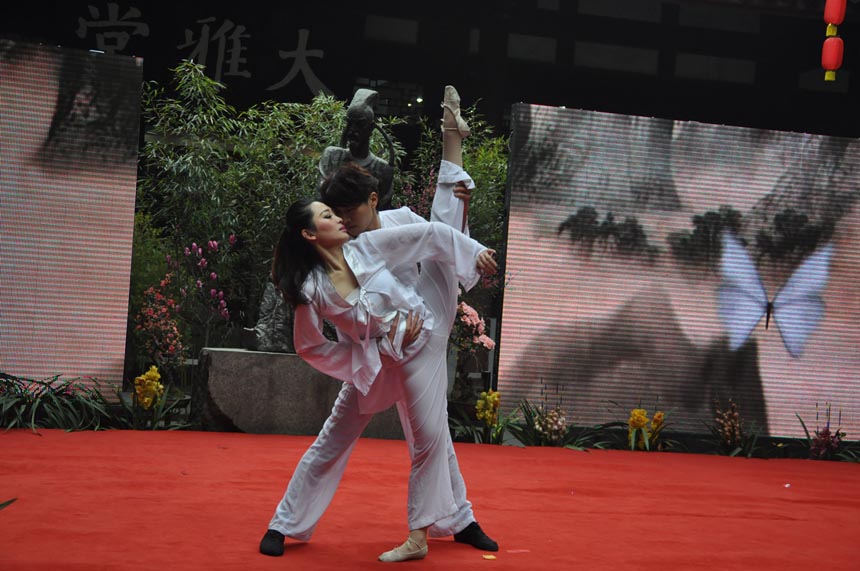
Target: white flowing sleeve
<point>417,242</point>
<point>447,208</point>
<point>346,360</point>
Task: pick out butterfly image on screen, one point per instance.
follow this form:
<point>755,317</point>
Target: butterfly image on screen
<point>797,308</point>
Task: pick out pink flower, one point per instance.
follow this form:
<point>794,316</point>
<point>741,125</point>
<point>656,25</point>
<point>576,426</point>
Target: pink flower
<point>213,246</point>
<point>213,276</point>
<point>213,293</point>
<point>232,239</point>
<point>199,284</point>
<point>486,342</point>
<point>202,263</point>
<point>187,252</point>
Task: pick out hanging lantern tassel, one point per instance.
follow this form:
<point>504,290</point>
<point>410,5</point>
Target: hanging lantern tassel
<point>831,57</point>
<point>834,14</point>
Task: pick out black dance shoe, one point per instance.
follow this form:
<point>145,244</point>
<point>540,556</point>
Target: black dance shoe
<point>475,536</point>
<point>272,543</point>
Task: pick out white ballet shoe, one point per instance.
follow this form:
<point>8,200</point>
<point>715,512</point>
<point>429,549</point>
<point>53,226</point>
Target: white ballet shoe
<point>451,102</point>
<point>405,552</point>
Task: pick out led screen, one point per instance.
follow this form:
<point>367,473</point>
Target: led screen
<point>675,265</point>
<point>69,125</point>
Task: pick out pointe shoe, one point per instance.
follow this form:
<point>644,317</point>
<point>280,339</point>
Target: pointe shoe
<point>451,102</point>
<point>409,550</point>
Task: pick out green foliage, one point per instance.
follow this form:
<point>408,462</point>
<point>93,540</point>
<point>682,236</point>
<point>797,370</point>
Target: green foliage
<point>704,244</point>
<point>68,404</point>
<point>528,425</point>
<point>480,433</point>
<point>824,443</point>
<point>641,432</point>
<point>210,173</point>
<point>156,333</point>
<point>541,427</point>
<point>201,277</point>
<point>485,158</point>
<point>849,452</point>
<point>530,432</point>
<point>730,435</point>
<point>537,425</point>
<point>167,413</point>
<point>7,503</point>
<point>51,403</point>
<point>148,254</point>
<point>378,146</point>
<point>489,428</point>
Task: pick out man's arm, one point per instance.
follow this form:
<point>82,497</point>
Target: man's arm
<point>419,242</point>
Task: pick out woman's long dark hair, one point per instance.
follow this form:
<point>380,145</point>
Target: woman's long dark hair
<point>295,257</point>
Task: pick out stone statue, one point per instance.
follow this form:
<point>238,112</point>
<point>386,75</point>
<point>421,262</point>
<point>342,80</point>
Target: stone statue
<point>274,330</point>
<point>355,145</point>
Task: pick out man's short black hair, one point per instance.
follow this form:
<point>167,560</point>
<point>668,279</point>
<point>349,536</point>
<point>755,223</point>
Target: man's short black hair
<point>349,185</point>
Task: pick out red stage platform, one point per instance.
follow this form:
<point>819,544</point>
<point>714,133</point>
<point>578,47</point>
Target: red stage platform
<point>201,500</point>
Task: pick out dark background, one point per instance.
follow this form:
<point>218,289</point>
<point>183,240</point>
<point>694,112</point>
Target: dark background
<point>430,44</point>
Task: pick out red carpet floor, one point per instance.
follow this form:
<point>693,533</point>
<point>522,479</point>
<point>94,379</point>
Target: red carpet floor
<point>201,500</point>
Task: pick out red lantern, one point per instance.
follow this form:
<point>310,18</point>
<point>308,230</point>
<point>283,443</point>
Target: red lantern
<point>831,57</point>
<point>834,14</point>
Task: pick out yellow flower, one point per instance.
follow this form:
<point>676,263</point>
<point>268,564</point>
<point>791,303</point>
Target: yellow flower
<point>638,418</point>
<point>148,388</point>
<point>658,419</point>
<point>487,407</point>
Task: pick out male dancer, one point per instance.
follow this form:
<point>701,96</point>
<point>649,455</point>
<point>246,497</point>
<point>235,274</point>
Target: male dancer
<point>308,496</point>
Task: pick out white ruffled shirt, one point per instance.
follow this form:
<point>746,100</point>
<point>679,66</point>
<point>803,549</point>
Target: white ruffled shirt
<point>363,322</point>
